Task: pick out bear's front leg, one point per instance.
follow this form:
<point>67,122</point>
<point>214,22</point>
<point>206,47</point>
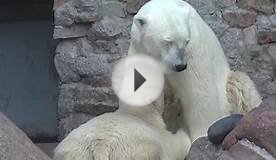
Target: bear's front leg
<point>242,93</point>
<point>178,145</point>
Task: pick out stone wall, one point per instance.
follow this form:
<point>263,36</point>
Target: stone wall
<point>247,32</point>
<point>95,33</point>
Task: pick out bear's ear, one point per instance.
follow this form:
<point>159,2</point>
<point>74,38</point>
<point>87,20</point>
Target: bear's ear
<point>181,3</point>
<point>140,22</point>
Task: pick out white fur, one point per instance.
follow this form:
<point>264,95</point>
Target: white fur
<point>241,93</point>
<point>131,133</point>
<point>202,87</point>
<point>207,89</point>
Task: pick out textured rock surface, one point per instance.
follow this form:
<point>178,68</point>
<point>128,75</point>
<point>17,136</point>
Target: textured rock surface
<point>73,31</point>
<point>15,145</point>
<point>95,33</point>
<point>72,121</point>
<point>77,59</point>
<point>258,126</point>
<point>202,149</point>
<point>112,8</point>
<point>247,48</point>
<point>58,3</point>
<point>266,29</point>
<point>108,28</point>
<point>79,102</point>
<point>237,17</point>
<point>134,5</point>
<point>82,11</point>
<point>265,6</point>
<point>245,150</point>
<point>82,98</point>
<point>221,128</point>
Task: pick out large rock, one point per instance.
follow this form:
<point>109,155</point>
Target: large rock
<point>77,59</point>
<point>109,28</point>
<point>233,44</point>
<point>83,98</point>
<point>250,36</point>
<point>73,31</point>
<point>216,22</point>
<point>202,149</point>
<point>113,50</point>
<point>80,102</point>
<point>219,130</point>
<point>244,150</point>
<point>58,3</point>
<point>273,19</point>
<point>264,22</point>
<point>272,51</point>
<point>112,8</point>
<point>204,7</point>
<point>87,11</point>
<point>225,3</point>
<point>15,145</point>
<point>66,73</point>
<point>237,17</point>
<point>134,5</point>
<point>80,11</point>
<point>266,29</point>
<point>267,36</point>
<point>258,126</point>
<point>70,122</point>
<point>259,64</point>
<point>265,6</point>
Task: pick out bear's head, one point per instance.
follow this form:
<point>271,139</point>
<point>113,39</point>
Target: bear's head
<point>161,29</point>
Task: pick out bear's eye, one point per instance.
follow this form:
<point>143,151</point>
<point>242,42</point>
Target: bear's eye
<point>168,42</point>
<point>187,42</point>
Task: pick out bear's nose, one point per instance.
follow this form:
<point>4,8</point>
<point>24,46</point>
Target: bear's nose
<point>180,67</point>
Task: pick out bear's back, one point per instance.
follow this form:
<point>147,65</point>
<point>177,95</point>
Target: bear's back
<point>115,133</point>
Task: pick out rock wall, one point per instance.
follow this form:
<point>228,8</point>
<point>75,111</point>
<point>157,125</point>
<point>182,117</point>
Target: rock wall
<point>247,32</point>
<point>95,33</point>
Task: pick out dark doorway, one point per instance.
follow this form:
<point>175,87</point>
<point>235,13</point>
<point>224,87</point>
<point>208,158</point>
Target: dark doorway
<point>28,80</point>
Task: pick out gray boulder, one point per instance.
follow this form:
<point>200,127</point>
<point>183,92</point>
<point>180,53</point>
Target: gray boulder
<point>202,149</point>
<point>15,145</point>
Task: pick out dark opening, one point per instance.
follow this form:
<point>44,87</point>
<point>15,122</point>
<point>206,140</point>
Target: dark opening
<point>28,80</point>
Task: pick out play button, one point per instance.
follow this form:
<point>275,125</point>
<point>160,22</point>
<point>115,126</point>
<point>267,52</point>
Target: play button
<point>138,80</point>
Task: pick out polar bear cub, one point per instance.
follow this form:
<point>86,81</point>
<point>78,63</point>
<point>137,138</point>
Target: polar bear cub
<point>173,32</point>
<point>131,133</point>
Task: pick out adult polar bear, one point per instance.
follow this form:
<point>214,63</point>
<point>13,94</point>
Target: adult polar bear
<point>197,69</point>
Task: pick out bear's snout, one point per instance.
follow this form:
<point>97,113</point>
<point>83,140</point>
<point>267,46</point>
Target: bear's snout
<point>180,67</point>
